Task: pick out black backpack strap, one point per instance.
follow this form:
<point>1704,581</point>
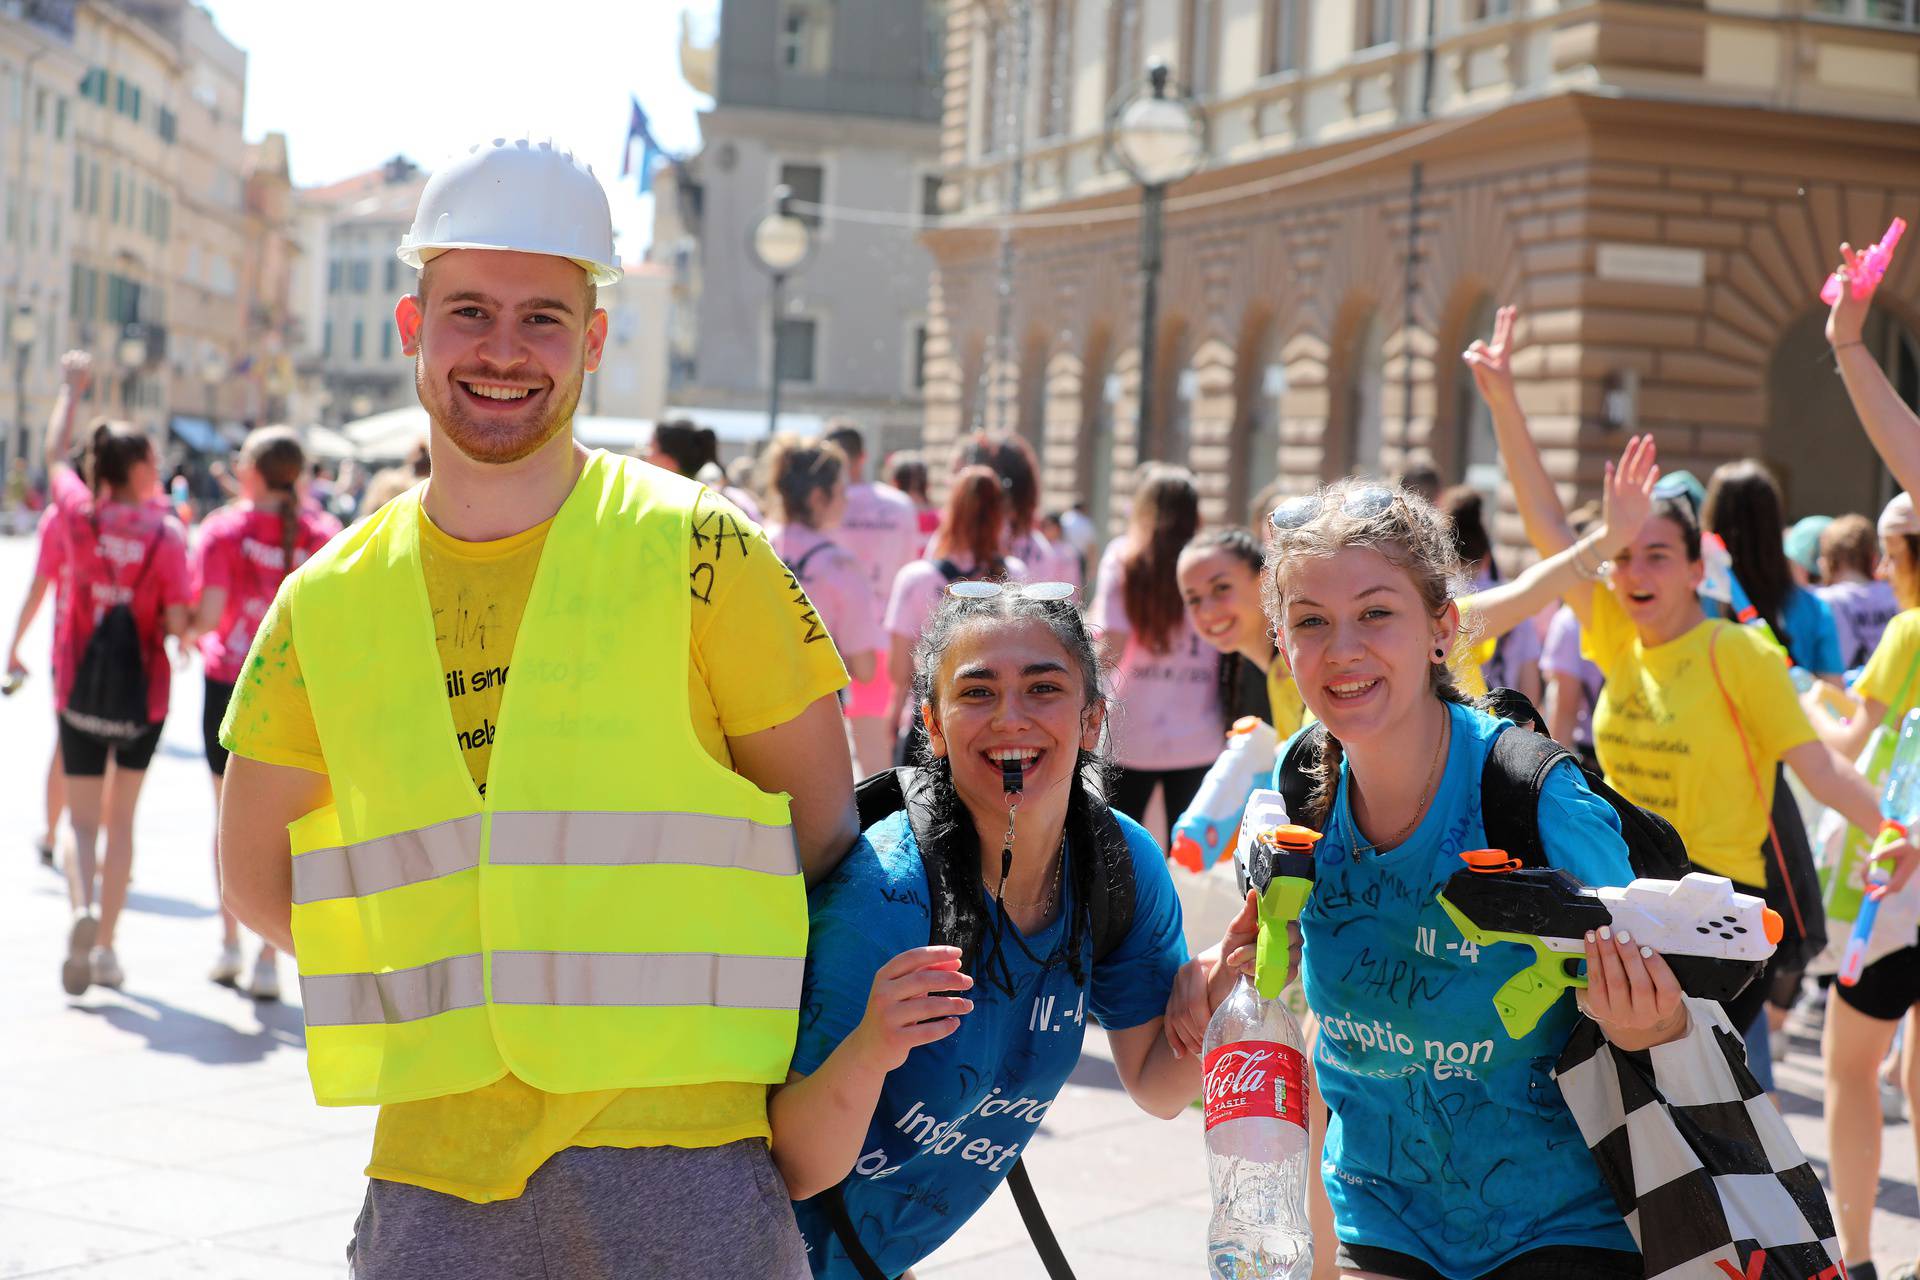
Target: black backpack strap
<point>1511,704</point>
<point>1111,909</point>
<point>948,569</point>
<point>1035,1218</point>
<point>834,1201</point>
<point>1510,784</point>
<point>799,566</point>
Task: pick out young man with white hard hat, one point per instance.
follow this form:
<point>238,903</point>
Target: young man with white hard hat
<point>553,925</point>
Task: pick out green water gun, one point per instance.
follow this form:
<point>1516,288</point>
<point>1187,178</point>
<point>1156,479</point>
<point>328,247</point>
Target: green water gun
<point>1279,865</point>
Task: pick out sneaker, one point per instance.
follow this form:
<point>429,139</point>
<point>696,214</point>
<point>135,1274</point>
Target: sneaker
<point>226,970</point>
<point>265,982</point>
<point>106,968</point>
<point>45,849</point>
<point>75,971</point>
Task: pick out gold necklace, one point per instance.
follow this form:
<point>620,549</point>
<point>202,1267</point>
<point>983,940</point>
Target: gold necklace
<point>1419,810</point>
<point>1053,892</point>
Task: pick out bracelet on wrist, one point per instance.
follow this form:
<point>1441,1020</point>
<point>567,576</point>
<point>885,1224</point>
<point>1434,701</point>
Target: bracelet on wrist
<point>1842,346</point>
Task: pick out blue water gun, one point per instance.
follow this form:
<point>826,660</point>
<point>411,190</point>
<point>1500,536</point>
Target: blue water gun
<point>1899,810</point>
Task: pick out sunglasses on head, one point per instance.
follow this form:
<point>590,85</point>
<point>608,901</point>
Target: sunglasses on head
<point>1363,504</point>
<point>1031,590</point>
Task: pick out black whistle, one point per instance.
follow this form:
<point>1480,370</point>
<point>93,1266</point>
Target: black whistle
<point>1010,779</point>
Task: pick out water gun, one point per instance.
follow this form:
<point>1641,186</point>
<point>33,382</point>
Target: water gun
<point>1720,584</point>
<point>1873,265</point>
<point>1206,829</point>
<point>1715,939</point>
<point>1899,810</point>
<point>1277,857</point>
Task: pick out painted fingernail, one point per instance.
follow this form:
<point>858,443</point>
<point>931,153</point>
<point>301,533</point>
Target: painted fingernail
<point>1625,937</point>
<point>1646,953</point>
<point>1589,937</point>
<point>1605,933</point>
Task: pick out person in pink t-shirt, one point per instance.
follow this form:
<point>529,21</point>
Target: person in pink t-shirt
<point>50,552</point>
<point>807,488</point>
<point>244,550</point>
<point>907,472</point>
<point>119,551</point>
<point>967,545</point>
<point>881,530</point>
<point>1013,460</point>
<point>1165,723</point>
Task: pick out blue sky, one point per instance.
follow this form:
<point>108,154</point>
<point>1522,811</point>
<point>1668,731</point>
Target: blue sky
<point>351,82</point>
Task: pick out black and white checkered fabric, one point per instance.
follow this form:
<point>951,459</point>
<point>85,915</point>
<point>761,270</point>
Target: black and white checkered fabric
<point>1709,1180</point>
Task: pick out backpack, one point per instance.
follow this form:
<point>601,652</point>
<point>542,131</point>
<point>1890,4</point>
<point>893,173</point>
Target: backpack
<point>1111,910</point>
<point>1510,785</point>
<point>108,698</point>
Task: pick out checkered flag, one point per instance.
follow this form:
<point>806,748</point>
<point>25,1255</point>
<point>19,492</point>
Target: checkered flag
<point>1709,1180</point>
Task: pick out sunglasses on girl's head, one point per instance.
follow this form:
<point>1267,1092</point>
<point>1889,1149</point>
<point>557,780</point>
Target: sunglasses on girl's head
<point>1362,504</point>
<point>1031,590</point>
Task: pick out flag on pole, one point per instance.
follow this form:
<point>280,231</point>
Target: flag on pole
<point>649,149</point>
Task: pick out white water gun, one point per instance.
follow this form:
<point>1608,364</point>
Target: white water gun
<point>1208,827</point>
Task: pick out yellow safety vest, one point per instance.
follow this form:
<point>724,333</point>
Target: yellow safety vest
<point>618,911</point>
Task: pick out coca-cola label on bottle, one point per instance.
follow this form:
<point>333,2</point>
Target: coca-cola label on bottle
<point>1255,1078</point>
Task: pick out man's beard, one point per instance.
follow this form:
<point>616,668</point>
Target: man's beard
<point>504,439</point>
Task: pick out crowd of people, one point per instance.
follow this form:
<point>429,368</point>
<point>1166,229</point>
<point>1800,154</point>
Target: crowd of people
<point>633,935</point>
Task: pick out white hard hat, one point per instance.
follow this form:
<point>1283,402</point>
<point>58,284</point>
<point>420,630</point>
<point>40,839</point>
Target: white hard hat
<point>520,195</point>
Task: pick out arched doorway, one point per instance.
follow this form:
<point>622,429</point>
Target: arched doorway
<point>1175,386</point>
<point>1096,431</point>
<point>1813,440</point>
<point>1259,381</point>
<point>1033,392</point>
<point>1476,451</point>
<point>1360,377</point>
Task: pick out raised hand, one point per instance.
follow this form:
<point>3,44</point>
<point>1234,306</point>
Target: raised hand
<point>903,1012</point>
<point>1628,498</point>
<point>76,367</point>
<point>1492,362</point>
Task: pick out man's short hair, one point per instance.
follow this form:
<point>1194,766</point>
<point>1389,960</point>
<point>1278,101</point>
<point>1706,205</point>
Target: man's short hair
<point>847,436</point>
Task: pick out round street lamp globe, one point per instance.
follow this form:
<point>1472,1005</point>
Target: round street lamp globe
<point>781,242</point>
<point>214,367</point>
<point>1159,139</point>
<point>133,351</point>
<point>23,329</point>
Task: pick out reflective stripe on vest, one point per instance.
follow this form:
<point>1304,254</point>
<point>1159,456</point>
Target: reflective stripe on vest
<point>552,978</point>
<point>544,839</point>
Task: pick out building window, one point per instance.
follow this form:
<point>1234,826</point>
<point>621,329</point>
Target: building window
<point>114,216</point>
<point>930,184</point>
<point>1199,45</point>
<point>1282,36</point>
<point>386,342</point>
<point>79,184</point>
<point>359,338</point>
<point>1366,381</point>
<point>93,187</point>
<point>796,340</point>
<point>362,279</point>
<point>168,125</point>
<point>806,37</point>
<point>995,129</point>
<point>39,110</point>
<point>1056,107</point>
<point>1490,10</point>
<point>60,118</point>
<point>392,276</point>
<point>1123,46</point>
<point>808,183</point>
<point>1903,13</point>
<point>1379,23</point>
<point>917,352</point>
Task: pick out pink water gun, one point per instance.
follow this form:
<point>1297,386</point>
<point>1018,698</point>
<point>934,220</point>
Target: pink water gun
<point>1872,266</point>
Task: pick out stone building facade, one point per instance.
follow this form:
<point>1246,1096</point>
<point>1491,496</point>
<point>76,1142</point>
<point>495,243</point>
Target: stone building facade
<point>1660,188</point>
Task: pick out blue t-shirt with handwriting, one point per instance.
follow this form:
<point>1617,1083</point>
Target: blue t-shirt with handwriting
<point>956,1115</point>
<point>1447,1140</point>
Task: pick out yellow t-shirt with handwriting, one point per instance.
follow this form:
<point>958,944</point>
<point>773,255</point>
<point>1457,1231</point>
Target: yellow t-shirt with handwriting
<point>1467,660</point>
<point>759,658</point>
<point>1667,743</point>
<point>1892,674</point>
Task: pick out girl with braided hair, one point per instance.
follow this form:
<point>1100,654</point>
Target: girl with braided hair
<point>913,1093</point>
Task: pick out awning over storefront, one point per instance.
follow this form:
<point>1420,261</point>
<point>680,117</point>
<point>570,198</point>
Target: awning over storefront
<point>198,434</point>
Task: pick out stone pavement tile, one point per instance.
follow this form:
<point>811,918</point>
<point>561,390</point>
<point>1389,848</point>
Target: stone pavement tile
<point>33,1242</point>
<point>332,1167</point>
<point>27,1166</point>
<point>320,1240</point>
<point>181,1202</point>
<point>156,1135</point>
<point>289,1104</point>
<point>201,1261</point>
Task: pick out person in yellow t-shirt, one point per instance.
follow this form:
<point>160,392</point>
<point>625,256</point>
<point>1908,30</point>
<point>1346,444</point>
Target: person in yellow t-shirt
<point>505,1180</point>
<point>1696,714</point>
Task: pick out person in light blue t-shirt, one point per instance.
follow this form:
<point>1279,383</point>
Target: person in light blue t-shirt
<point>915,1086</point>
<point>1449,1152</point>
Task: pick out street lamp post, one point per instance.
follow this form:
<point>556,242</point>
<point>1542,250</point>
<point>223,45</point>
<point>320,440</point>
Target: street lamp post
<point>1159,140</point>
<point>22,331</point>
<point>780,243</point>
<point>213,368</point>
<point>133,354</point>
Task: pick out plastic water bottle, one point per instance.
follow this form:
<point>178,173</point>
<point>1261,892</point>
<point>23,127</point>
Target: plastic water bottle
<point>1256,1118</point>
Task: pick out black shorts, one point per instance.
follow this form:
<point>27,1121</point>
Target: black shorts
<point>82,755</point>
<point>1887,988</point>
<point>1555,1262</point>
<point>212,712</point>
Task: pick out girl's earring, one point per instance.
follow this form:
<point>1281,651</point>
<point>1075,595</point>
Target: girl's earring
<point>1439,654</point>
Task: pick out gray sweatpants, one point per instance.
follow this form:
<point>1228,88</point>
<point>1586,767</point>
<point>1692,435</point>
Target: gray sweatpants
<point>594,1213</point>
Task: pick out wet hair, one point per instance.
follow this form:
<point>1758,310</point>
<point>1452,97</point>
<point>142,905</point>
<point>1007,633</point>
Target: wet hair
<point>1850,544</point>
<point>1410,535</point>
<point>680,441</point>
<point>974,521</point>
<point>1166,515</point>
<point>1234,671</point>
<point>842,432</point>
<point>1465,510</point>
<point>1013,460</point>
<point>907,472</point>
<point>949,818</point>
<point>278,458</point>
<point>796,469</point>
<point>1743,506</point>
<point>113,451</point>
